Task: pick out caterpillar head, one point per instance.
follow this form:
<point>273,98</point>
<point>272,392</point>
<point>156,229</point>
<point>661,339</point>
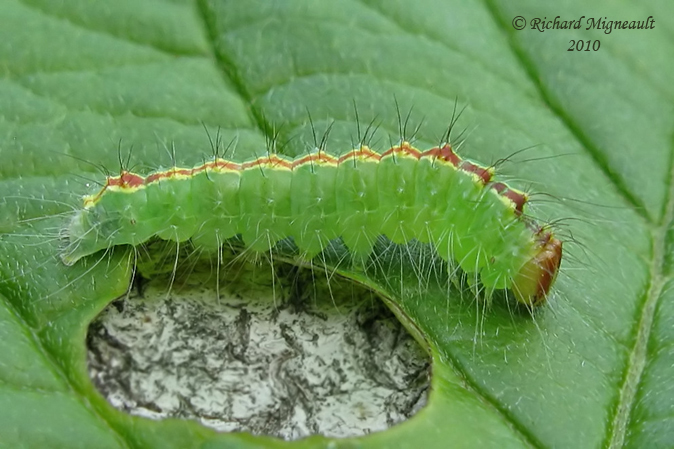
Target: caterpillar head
<point>532,283</point>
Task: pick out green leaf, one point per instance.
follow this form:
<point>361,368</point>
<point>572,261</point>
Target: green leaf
<point>592,368</point>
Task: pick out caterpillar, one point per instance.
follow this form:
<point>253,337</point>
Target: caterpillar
<point>472,221</point>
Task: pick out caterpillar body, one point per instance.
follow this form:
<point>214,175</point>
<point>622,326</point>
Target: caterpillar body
<point>433,196</point>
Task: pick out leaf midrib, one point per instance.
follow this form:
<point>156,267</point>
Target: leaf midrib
<point>638,356</point>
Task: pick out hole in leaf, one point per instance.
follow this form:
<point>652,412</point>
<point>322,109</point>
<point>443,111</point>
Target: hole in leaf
<point>280,351</point>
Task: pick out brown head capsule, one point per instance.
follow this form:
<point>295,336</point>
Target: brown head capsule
<point>532,284</point>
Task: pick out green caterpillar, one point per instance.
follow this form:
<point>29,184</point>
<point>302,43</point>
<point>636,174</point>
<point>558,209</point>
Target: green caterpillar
<point>433,196</point>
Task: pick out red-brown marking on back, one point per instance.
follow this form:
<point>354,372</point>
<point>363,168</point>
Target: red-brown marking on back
<point>361,153</point>
<point>168,174</point>
<point>499,187</point>
<point>515,197</point>
<point>154,177</point>
<point>126,180</point>
<point>272,160</point>
<point>484,174</point>
<point>405,149</point>
<point>315,157</point>
<point>446,153</point>
<point>275,160</point>
<point>519,199</point>
<point>391,151</point>
<point>227,165</point>
<point>250,164</point>
<point>206,166</point>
